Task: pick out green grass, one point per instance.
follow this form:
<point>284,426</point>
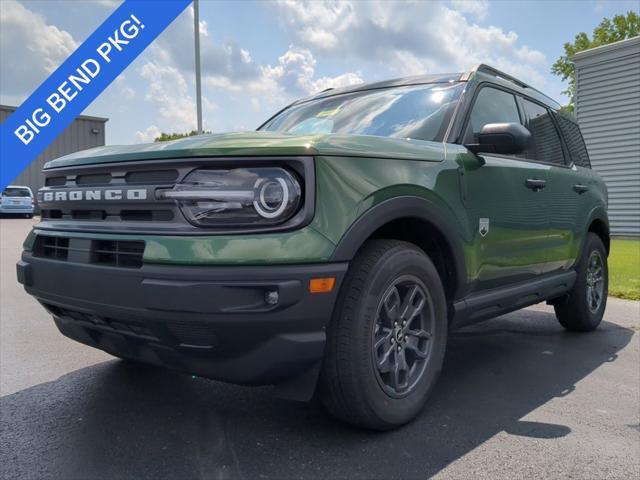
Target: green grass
<point>624,269</point>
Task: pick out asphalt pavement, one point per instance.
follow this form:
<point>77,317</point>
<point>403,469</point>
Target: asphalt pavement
<point>518,398</point>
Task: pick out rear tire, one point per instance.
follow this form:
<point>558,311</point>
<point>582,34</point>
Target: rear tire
<point>582,309</point>
<point>376,374</point>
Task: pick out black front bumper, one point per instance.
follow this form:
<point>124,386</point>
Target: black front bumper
<point>209,321</point>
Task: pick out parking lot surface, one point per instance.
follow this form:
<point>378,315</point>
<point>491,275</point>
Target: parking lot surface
<point>518,398</point>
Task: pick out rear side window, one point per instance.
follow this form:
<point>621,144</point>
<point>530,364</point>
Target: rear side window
<point>546,145</point>
<point>491,106</point>
<point>16,192</point>
<point>573,139</point>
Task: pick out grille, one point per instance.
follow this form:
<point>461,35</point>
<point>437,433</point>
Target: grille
<point>117,253</point>
<point>123,197</point>
<point>155,176</point>
<point>98,179</point>
<point>128,215</point>
<point>132,328</point>
<point>55,181</point>
<point>93,179</point>
<point>52,247</point>
<point>192,334</point>
<point>178,334</point>
<point>114,253</point>
<point>102,213</point>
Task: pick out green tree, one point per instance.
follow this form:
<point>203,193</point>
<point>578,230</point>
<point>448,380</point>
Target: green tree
<point>166,137</point>
<point>620,27</point>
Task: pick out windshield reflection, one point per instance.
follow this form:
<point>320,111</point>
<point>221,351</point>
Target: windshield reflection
<point>420,112</point>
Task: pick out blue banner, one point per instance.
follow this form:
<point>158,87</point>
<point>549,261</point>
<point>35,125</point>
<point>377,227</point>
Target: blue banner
<point>79,80</point>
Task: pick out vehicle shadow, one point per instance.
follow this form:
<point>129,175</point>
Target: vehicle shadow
<point>15,216</point>
<point>120,420</point>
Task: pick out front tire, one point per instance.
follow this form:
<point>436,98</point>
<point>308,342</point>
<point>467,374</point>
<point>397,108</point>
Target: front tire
<point>387,339</point>
<point>583,307</point>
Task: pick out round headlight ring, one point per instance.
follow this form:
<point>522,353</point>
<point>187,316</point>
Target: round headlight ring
<point>261,205</point>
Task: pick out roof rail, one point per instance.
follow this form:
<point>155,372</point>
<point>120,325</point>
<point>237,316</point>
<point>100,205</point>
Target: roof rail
<point>483,68</point>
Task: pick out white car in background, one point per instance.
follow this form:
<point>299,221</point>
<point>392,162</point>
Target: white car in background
<point>17,200</point>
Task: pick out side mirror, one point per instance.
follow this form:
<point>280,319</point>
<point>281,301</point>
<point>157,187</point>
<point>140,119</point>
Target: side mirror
<point>502,138</point>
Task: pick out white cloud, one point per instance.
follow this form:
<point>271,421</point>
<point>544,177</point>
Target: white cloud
<point>393,38</point>
<point>175,47</point>
<point>294,76</point>
<point>477,8</point>
<point>148,135</point>
<point>169,92</point>
<point>124,90</point>
<point>319,23</point>
<point>410,38</point>
<point>28,58</point>
<point>228,67</point>
<point>109,3</point>
<point>343,80</point>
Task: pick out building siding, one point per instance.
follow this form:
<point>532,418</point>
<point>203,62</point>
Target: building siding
<point>77,136</point>
<point>608,111</point>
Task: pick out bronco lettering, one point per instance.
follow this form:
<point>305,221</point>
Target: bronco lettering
<point>92,195</point>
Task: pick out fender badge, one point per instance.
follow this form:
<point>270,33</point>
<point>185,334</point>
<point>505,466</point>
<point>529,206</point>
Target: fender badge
<point>483,226</point>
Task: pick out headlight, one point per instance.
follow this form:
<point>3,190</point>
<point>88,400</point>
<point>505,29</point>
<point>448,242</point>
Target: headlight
<point>238,197</point>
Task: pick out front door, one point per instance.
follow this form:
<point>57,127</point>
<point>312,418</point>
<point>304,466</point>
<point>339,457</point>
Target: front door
<point>505,200</point>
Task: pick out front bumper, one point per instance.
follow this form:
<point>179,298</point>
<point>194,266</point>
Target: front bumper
<point>210,321</point>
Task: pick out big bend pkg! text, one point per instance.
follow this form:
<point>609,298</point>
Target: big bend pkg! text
<point>88,70</point>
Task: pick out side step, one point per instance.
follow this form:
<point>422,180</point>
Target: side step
<point>491,303</point>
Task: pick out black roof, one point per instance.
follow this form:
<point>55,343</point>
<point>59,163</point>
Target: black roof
<point>394,82</point>
<point>479,73</point>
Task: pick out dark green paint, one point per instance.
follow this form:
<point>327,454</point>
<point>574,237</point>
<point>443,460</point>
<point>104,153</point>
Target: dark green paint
<point>257,144</point>
<point>529,232</point>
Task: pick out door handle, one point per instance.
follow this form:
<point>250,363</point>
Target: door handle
<point>580,188</point>
<point>535,185</point>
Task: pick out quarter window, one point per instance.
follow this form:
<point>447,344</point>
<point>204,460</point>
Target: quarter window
<point>545,142</point>
<point>573,138</point>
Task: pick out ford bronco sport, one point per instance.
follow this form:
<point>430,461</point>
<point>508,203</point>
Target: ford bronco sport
<point>333,248</point>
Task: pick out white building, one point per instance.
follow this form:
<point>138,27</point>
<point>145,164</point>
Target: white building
<point>608,112</point>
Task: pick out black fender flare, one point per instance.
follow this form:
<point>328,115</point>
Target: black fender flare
<point>598,213</point>
<point>395,209</point>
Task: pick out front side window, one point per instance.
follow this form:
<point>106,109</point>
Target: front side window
<point>573,138</point>
<point>545,145</point>
<point>420,112</point>
<point>491,106</point>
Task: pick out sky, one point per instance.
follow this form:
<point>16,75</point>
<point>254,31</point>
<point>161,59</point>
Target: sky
<point>258,56</point>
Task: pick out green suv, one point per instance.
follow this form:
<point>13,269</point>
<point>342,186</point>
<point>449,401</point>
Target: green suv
<point>331,250</point>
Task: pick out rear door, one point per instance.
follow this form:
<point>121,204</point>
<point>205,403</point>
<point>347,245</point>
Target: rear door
<point>560,190</point>
<point>509,216</point>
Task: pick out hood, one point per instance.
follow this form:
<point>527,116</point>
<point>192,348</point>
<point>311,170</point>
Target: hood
<point>258,143</point>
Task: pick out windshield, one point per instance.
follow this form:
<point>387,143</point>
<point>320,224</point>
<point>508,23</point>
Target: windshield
<point>420,112</point>
<point>16,192</point>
